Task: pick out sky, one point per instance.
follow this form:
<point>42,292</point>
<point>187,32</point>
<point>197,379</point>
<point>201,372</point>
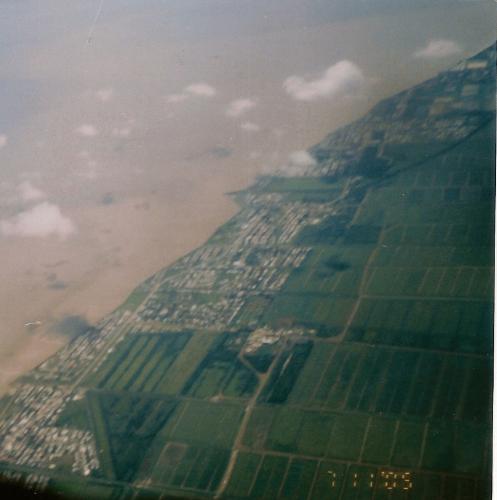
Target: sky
<point>124,122</point>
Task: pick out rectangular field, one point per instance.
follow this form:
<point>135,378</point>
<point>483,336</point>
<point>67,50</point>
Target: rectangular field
<point>355,377</point>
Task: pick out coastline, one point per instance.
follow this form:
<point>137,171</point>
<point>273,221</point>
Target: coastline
<point>147,228</point>
<point>117,247</point>
<point>101,290</point>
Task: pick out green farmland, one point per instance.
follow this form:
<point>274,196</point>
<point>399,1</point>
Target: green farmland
<point>332,341</point>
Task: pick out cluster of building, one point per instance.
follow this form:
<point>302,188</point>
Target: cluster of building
<point>273,225</point>
<point>444,109</point>
<point>224,269</point>
<point>267,337</point>
<point>208,288</point>
<point>70,362</point>
<point>252,256</point>
<point>30,435</point>
<point>192,310</point>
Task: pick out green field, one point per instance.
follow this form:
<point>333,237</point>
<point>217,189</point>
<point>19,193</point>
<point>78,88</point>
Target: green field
<point>192,450</point>
<point>320,312</point>
<point>269,476</point>
<point>450,325</point>
<point>387,393</point>
<point>221,372</point>
<point>158,362</point>
<point>356,362</point>
<point>355,377</point>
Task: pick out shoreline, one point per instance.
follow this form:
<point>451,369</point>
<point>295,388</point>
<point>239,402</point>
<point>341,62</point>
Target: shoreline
<point>108,286</point>
<point>172,178</point>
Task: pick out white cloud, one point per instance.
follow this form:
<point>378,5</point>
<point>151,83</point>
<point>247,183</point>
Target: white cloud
<point>250,127</point>
<point>40,221</point>
<point>201,89</point>
<point>28,192</point>
<point>239,107</point>
<point>436,49</point>
<point>193,90</point>
<point>105,94</point>
<point>174,98</point>
<point>121,131</point>
<point>340,78</point>
<point>3,141</point>
<point>87,130</point>
<point>301,159</point>
<point>298,163</point>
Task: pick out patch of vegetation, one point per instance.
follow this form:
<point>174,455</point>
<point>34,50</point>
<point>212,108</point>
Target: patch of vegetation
<point>286,372</point>
<point>221,372</point>
<point>141,362</point>
<point>130,423</point>
<point>75,415</point>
